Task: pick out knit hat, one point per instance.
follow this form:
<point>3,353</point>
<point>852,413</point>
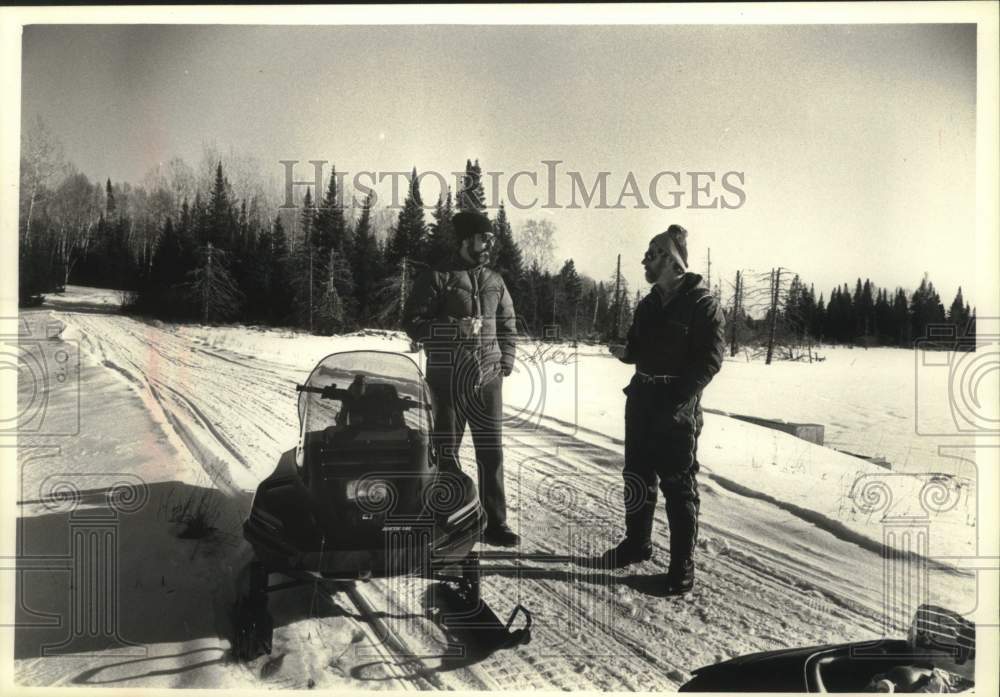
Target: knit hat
<point>674,241</point>
<point>467,223</point>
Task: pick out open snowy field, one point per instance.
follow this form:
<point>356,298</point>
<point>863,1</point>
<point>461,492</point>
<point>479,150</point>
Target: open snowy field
<point>790,551</point>
<point>898,404</point>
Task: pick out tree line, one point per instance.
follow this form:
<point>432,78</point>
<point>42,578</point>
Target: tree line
<point>185,247</point>
<point>210,246</point>
<point>777,312</point>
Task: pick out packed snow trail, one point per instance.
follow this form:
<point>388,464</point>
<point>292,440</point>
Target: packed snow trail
<point>767,579</point>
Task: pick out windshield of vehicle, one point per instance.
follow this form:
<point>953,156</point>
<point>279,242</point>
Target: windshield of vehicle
<point>370,390</point>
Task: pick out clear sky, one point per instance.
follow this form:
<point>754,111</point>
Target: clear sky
<point>856,142</point>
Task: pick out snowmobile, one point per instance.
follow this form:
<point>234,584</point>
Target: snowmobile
<point>938,655</point>
<point>362,496</point>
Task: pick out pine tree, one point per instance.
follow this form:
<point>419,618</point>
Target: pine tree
<point>307,218</point>
<point>212,287</point>
<point>109,201</point>
<point>618,318</point>
<point>570,290</point>
<point>168,271</point>
<point>367,263</point>
<point>528,310</point>
<point>507,258</point>
<point>409,238</point>
<point>199,220</point>
<point>819,329</point>
<point>330,225</point>
<point>958,313</point>
<point>221,218</point>
<point>305,268</point>
<point>925,308</point>
<point>392,291</point>
<point>903,336</point>
<point>280,306</point>
<point>866,310</point>
<point>261,271</point>
<point>471,197</point>
<point>441,242</point>
<point>121,268</point>
<point>546,294</point>
<point>331,313</point>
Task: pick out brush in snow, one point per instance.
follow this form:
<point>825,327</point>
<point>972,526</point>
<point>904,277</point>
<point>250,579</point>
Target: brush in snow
<point>362,495</point>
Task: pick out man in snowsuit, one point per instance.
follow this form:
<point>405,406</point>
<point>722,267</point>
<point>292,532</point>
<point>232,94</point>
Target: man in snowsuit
<point>463,315</point>
<point>676,342</point>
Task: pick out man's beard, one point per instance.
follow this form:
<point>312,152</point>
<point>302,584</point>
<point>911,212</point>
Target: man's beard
<point>482,257</point>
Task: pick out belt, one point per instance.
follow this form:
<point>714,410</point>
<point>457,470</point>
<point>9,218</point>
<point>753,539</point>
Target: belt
<point>648,379</point>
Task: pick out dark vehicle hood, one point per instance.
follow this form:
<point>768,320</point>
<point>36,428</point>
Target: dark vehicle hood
<point>782,670</point>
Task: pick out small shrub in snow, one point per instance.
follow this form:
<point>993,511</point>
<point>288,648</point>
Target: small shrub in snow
<point>196,514</point>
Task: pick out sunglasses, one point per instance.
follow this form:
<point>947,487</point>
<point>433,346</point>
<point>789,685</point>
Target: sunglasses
<point>654,255</point>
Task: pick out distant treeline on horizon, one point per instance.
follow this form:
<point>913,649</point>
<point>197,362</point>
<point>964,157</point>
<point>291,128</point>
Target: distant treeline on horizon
<point>181,251</point>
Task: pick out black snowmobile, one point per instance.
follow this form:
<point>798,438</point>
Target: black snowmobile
<point>939,655</point>
<point>362,497</point>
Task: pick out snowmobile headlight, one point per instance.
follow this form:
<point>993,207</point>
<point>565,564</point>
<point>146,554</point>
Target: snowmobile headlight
<point>371,493</point>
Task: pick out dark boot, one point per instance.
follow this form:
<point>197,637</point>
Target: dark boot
<point>627,552</point>
<point>639,515</point>
<point>636,547</point>
<point>682,504</point>
<point>501,536</point>
<point>680,577</point>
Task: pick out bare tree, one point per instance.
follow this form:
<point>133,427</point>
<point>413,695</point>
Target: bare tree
<point>774,296</point>
<point>74,211</point>
<point>773,323</point>
<point>41,159</point>
<point>536,238</point>
<point>737,315</point>
<point>181,181</point>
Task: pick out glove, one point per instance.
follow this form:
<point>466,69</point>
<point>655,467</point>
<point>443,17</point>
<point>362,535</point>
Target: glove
<point>506,370</point>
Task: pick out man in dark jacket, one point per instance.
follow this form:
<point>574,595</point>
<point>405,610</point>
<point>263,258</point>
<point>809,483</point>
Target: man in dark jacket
<point>676,342</point>
<point>463,315</point>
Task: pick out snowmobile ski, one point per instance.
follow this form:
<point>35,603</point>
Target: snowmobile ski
<point>470,621</point>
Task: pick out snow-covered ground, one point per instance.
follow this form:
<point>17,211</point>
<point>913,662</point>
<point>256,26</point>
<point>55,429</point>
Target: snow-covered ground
<point>898,404</point>
<point>791,545</point>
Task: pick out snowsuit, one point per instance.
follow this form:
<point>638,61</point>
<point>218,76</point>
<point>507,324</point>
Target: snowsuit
<point>465,375</point>
<point>683,336</point>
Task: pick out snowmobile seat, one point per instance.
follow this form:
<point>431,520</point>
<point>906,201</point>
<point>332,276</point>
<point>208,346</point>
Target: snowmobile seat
<point>379,407</point>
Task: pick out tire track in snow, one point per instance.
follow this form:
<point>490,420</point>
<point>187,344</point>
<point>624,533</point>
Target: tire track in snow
<point>785,586</point>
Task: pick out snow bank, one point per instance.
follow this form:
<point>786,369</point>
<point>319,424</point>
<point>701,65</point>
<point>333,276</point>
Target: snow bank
<point>82,296</point>
<point>289,347</point>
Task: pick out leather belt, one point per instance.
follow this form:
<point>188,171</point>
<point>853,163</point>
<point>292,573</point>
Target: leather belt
<point>648,379</point>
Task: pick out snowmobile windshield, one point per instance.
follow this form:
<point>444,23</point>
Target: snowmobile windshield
<point>371,391</point>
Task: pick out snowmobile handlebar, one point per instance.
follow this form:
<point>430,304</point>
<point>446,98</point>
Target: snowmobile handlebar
<point>333,392</point>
